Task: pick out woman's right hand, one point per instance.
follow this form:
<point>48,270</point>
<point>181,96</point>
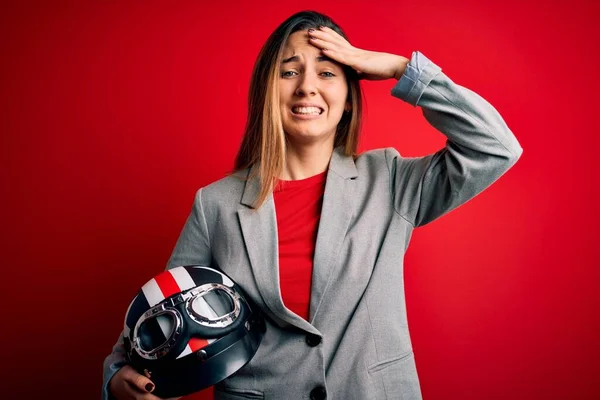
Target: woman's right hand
<point>128,384</point>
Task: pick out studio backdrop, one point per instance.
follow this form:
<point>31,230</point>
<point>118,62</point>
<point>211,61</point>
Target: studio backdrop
<point>113,114</point>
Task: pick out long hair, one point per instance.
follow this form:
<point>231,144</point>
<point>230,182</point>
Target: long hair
<point>264,142</point>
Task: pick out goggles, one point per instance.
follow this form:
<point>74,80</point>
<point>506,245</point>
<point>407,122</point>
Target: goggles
<point>206,312</point>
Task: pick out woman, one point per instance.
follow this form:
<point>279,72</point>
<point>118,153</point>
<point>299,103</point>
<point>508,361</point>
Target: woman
<point>316,234</point>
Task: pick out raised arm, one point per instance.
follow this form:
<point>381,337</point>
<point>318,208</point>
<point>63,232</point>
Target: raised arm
<point>480,146</point>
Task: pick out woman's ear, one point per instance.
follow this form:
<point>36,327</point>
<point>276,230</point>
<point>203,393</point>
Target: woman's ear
<point>348,107</point>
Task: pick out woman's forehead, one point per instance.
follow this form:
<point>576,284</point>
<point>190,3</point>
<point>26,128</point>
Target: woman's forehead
<point>298,49</point>
<point>299,44</point>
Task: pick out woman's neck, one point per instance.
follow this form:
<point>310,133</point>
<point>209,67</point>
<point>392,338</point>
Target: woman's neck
<point>305,161</point>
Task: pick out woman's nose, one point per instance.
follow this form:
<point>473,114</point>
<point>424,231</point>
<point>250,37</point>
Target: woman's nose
<point>307,85</point>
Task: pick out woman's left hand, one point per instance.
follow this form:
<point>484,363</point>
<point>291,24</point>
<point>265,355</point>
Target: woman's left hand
<point>370,65</point>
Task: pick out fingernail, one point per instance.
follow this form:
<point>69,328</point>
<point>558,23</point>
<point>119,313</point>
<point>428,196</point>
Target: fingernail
<point>311,30</point>
<point>149,387</point>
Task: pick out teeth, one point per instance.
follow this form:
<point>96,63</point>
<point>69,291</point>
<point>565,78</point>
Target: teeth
<point>306,110</point>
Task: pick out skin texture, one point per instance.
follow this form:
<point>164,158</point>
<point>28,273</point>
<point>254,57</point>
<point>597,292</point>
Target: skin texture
<point>310,142</point>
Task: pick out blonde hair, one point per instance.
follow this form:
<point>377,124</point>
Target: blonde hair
<point>264,142</point>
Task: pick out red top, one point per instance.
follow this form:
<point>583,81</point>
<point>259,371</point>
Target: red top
<point>298,210</point>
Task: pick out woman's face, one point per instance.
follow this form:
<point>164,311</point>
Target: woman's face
<point>312,92</point>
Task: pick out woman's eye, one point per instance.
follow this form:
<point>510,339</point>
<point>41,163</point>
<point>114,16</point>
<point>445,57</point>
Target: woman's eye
<point>286,74</point>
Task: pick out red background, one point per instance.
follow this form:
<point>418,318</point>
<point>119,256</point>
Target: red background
<point>113,113</point>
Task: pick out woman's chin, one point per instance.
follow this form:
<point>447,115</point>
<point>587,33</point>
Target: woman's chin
<point>309,138</point>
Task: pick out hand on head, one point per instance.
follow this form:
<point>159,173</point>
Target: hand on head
<point>370,65</point>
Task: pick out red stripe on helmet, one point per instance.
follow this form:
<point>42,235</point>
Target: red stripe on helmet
<point>197,343</point>
<point>167,284</point>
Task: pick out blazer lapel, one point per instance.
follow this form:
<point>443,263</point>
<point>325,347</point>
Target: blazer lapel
<point>259,229</point>
<point>336,213</point>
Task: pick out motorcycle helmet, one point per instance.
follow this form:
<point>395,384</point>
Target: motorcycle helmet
<point>189,328</point>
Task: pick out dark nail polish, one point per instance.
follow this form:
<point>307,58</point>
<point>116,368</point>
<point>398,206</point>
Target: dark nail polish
<point>149,387</point>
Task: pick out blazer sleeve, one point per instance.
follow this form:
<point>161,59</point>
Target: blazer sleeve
<point>479,148</point>
<point>192,248</point>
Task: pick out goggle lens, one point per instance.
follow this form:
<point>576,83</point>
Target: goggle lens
<point>213,305</point>
<point>155,331</point>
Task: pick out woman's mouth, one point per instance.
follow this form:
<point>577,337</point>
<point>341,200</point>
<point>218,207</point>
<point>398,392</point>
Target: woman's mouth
<point>307,111</point>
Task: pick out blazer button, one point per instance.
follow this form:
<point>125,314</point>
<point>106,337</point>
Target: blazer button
<point>318,393</point>
<point>313,340</point>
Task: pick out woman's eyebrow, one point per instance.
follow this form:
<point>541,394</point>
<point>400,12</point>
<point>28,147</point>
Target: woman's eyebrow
<point>320,58</point>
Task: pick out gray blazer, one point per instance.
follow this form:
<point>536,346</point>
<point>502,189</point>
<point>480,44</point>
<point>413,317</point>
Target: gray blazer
<point>356,344</point>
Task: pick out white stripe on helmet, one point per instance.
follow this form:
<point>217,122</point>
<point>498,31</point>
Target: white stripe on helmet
<point>154,296</point>
<point>183,278</point>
